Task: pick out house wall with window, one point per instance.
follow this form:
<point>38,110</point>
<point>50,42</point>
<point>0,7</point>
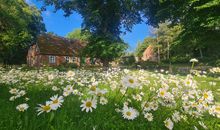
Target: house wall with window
<point>52,50</point>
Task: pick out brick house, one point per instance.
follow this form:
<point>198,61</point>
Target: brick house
<point>149,54</point>
<point>53,50</point>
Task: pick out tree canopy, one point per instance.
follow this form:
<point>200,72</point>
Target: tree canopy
<point>199,19</point>
<point>78,34</point>
<point>19,26</point>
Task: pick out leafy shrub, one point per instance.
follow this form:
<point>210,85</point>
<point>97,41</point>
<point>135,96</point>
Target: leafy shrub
<point>67,66</point>
<point>217,63</point>
<point>180,59</point>
<point>128,60</point>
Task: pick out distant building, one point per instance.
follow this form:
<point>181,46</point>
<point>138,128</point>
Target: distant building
<point>149,54</point>
<point>54,50</point>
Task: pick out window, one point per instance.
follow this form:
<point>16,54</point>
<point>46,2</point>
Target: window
<point>67,59</point>
<point>52,59</point>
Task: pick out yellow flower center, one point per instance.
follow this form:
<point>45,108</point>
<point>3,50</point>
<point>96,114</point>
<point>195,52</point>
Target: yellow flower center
<point>188,82</point>
<point>22,109</point>
<point>99,94</point>
<point>46,107</point>
<point>128,113</point>
<point>93,88</point>
<point>205,95</point>
<point>55,101</point>
<point>131,81</point>
<point>162,93</point>
<point>146,105</point>
<point>88,104</point>
<point>217,109</point>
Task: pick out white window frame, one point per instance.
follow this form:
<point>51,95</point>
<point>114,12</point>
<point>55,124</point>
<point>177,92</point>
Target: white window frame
<point>52,59</point>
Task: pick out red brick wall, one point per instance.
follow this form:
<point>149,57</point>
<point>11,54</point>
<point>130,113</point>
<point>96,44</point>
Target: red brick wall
<point>35,59</point>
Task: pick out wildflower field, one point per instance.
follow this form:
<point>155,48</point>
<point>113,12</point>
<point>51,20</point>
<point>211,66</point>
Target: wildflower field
<point>48,99</point>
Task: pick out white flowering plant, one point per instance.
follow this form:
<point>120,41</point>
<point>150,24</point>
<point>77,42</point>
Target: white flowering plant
<point>108,99</point>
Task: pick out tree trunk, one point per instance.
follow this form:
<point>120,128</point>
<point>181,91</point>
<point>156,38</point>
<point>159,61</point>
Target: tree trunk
<point>158,54</point>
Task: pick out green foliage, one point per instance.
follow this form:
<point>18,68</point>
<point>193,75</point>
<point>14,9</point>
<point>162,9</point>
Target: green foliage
<point>78,34</point>
<point>180,59</point>
<point>67,66</point>
<point>141,47</point>
<point>199,19</point>
<point>166,35</point>
<point>128,60</point>
<point>19,26</point>
<point>103,48</point>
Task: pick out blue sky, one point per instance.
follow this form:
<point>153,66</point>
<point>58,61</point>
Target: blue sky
<point>60,25</point>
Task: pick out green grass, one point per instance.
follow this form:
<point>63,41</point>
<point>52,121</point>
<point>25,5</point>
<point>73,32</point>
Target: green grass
<point>104,117</point>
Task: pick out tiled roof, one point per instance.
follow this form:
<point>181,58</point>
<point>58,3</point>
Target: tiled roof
<point>54,45</point>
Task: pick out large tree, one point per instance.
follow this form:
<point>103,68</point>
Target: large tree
<point>19,26</point>
<point>199,18</point>
<point>104,19</point>
<point>166,36</point>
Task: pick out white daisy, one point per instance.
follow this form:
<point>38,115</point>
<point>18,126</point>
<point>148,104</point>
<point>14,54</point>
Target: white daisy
<point>56,102</point>
<point>162,92</point>
<point>207,96</point>
<point>168,123</point>
<point>129,81</point>
<point>149,116</point>
<point>103,101</point>
<point>70,74</point>
<point>13,91</point>
<point>176,116</point>
<point>22,107</point>
<point>194,60</point>
<point>129,113</point>
<point>88,104</point>
<point>44,108</point>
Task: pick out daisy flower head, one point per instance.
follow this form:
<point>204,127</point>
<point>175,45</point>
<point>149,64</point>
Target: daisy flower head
<point>194,60</point>
<point>149,116</point>
<point>146,106</point>
<point>103,101</point>
<point>56,102</point>
<point>89,104</point>
<point>50,77</point>
<point>101,92</point>
<point>207,96</point>
<point>22,107</point>
<point>44,108</point>
<point>13,91</point>
<point>176,116</point>
<point>129,113</point>
<point>162,92</point>
<point>129,82</point>
<point>215,110</point>
<point>70,74</point>
<point>168,123</point>
<point>55,88</point>
<point>188,82</point>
